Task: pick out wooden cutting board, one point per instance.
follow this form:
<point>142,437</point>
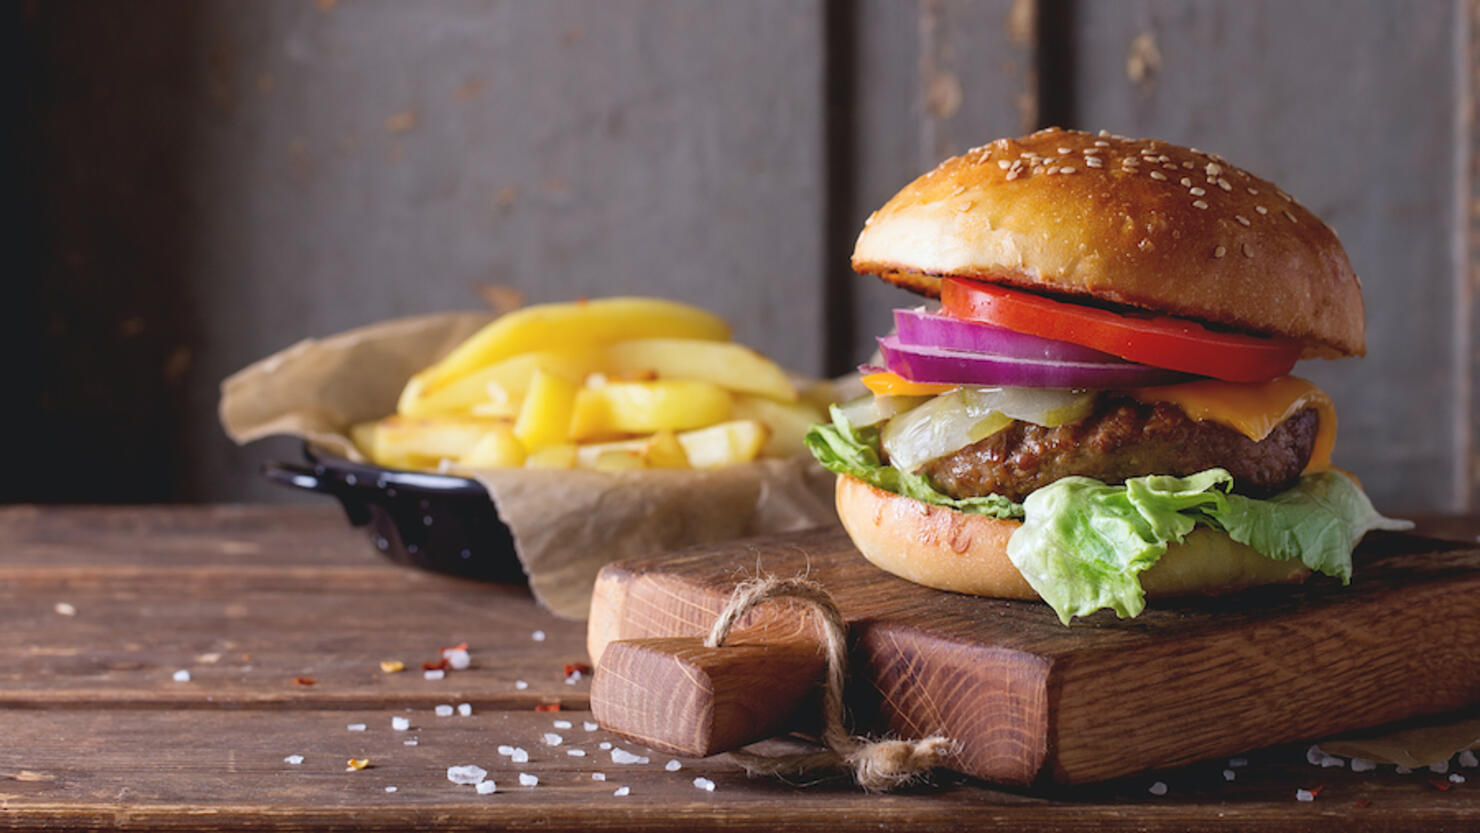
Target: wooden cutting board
<point>1027,698</point>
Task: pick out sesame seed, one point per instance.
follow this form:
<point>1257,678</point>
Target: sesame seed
<point>1012,174</point>
<point>1102,143</point>
<point>1287,213</point>
<point>1186,183</point>
<point>1103,133</point>
<point>1093,162</point>
<point>1287,197</point>
<point>1241,219</point>
<point>1067,169</point>
<point>1213,169</point>
<point>1220,251</point>
<point>1091,151</point>
<point>966,205</point>
<point>1199,204</point>
<point>1247,250</point>
<point>1196,192</point>
<point>1253,192</point>
<point>960,189</point>
<point>1223,183</point>
<point>1261,209</point>
<point>1066,150</point>
<point>1003,164</point>
<point>1169,166</point>
<point>1158,175</point>
<point>1037,169</point>
<point>1188,164</point>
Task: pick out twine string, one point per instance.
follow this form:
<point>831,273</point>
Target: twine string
<point>877,765</point>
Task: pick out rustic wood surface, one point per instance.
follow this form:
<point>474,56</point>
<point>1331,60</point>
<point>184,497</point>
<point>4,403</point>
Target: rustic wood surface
<point>97,735</point>
<point>1029,699</point>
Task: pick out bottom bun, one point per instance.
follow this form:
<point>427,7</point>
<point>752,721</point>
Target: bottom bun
<point>966,553</point>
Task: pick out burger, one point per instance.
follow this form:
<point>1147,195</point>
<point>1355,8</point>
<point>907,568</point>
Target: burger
<point>1100,407</point>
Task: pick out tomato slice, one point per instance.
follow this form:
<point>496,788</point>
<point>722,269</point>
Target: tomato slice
<point>1160,341</point>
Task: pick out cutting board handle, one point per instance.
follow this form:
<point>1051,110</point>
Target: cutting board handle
<point>680,696</point>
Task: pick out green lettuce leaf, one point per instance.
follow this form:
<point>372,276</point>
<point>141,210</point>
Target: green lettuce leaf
<point>845,450</point>
<point>1083,543</point>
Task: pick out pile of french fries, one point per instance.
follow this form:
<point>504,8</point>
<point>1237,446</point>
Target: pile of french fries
<point>608,385</point>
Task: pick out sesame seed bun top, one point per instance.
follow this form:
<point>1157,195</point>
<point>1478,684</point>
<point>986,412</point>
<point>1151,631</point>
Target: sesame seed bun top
<point>1136,222</point>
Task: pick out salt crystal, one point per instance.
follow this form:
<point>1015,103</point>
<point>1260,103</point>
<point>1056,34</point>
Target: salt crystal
<point>182,676</point>
<point>295,760</point>
<point>552,739</point>
<point>576,753</point>
<point>1158,788</point>
<point>1238,762</point>
<point>519,756</point>
<point>465,709</point>
<point>411,742</point>
<point>390,789</point>
<point>1363,765</point>
<point>466,774</point>
<point>704,784</point>
<point>1332,760</point>
<point>65,609</point>
<point>538,636</point>
<point>598,776</point>
<point>400,724</point>
<point>621,791</point>
<point>443,710</point>
<point>1467,759</point>
<point>673,765</point>
<point>458,660</point>
<point>434,674</point>
<point>591,726</point>
<point>1456,778</point>
<point>575,677</point>
<point>1313,756</point>
<point>356,727</point>
<point>1229,775</point>
<point>521,685</point>
<point>622,756</point>
<point>1402,770</point>
<point>505,749</point>
<point>1304,795</point>
<point>527,780</point>
<point>1441,767</point>
<point>561,724</point>
<point>485,787</point>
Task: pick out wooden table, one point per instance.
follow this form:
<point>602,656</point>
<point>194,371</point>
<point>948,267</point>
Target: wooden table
<point>100,607</point>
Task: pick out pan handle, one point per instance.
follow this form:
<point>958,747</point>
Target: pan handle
<point>309,479</point>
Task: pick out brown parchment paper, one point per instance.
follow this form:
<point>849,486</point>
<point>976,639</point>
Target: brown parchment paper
<point>566,524</point>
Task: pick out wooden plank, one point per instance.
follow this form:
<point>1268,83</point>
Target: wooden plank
<point>1028,699</point>
<point>248,599</point>
<point>223,179</point>
<point>1290,89</point>
<point>159,770</point>
<point>931,78</point>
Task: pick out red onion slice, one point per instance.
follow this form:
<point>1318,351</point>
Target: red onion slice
<point>918,328</point>
<point>956,367</point>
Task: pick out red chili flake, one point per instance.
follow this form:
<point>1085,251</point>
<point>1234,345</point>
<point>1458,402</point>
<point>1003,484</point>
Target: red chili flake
<point>555,707</point>
<point>1441,784</point>
<point>304,680</point>
<point>573,667</point>
<point>461,646</point>
<point>439,665</point>
<point>1315,791</point>
<point>1362,802</point>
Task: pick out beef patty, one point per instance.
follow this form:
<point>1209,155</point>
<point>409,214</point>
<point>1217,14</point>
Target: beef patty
<point>1124,438</point>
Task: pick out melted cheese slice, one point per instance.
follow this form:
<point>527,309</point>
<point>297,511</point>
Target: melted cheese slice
<point>1254,409</point>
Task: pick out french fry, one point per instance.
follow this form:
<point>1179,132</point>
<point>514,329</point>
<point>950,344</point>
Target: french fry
<point>546,326</point>
<point>362,434</point>
<point>737,441</point>
<point>422,442</point>
<point>646,407</point>
<point>562,456</point>
<point>788,421</point>
<point>732,366</point>
<point>545,417</point>
<point>499,389</point>
<point>662,450</point>
<point>498,449</point>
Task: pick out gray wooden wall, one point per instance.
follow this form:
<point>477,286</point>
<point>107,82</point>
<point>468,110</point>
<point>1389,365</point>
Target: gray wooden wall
<point>201,182</point>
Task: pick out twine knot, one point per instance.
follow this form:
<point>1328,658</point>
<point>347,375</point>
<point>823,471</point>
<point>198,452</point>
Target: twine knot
<point>877,765</point>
